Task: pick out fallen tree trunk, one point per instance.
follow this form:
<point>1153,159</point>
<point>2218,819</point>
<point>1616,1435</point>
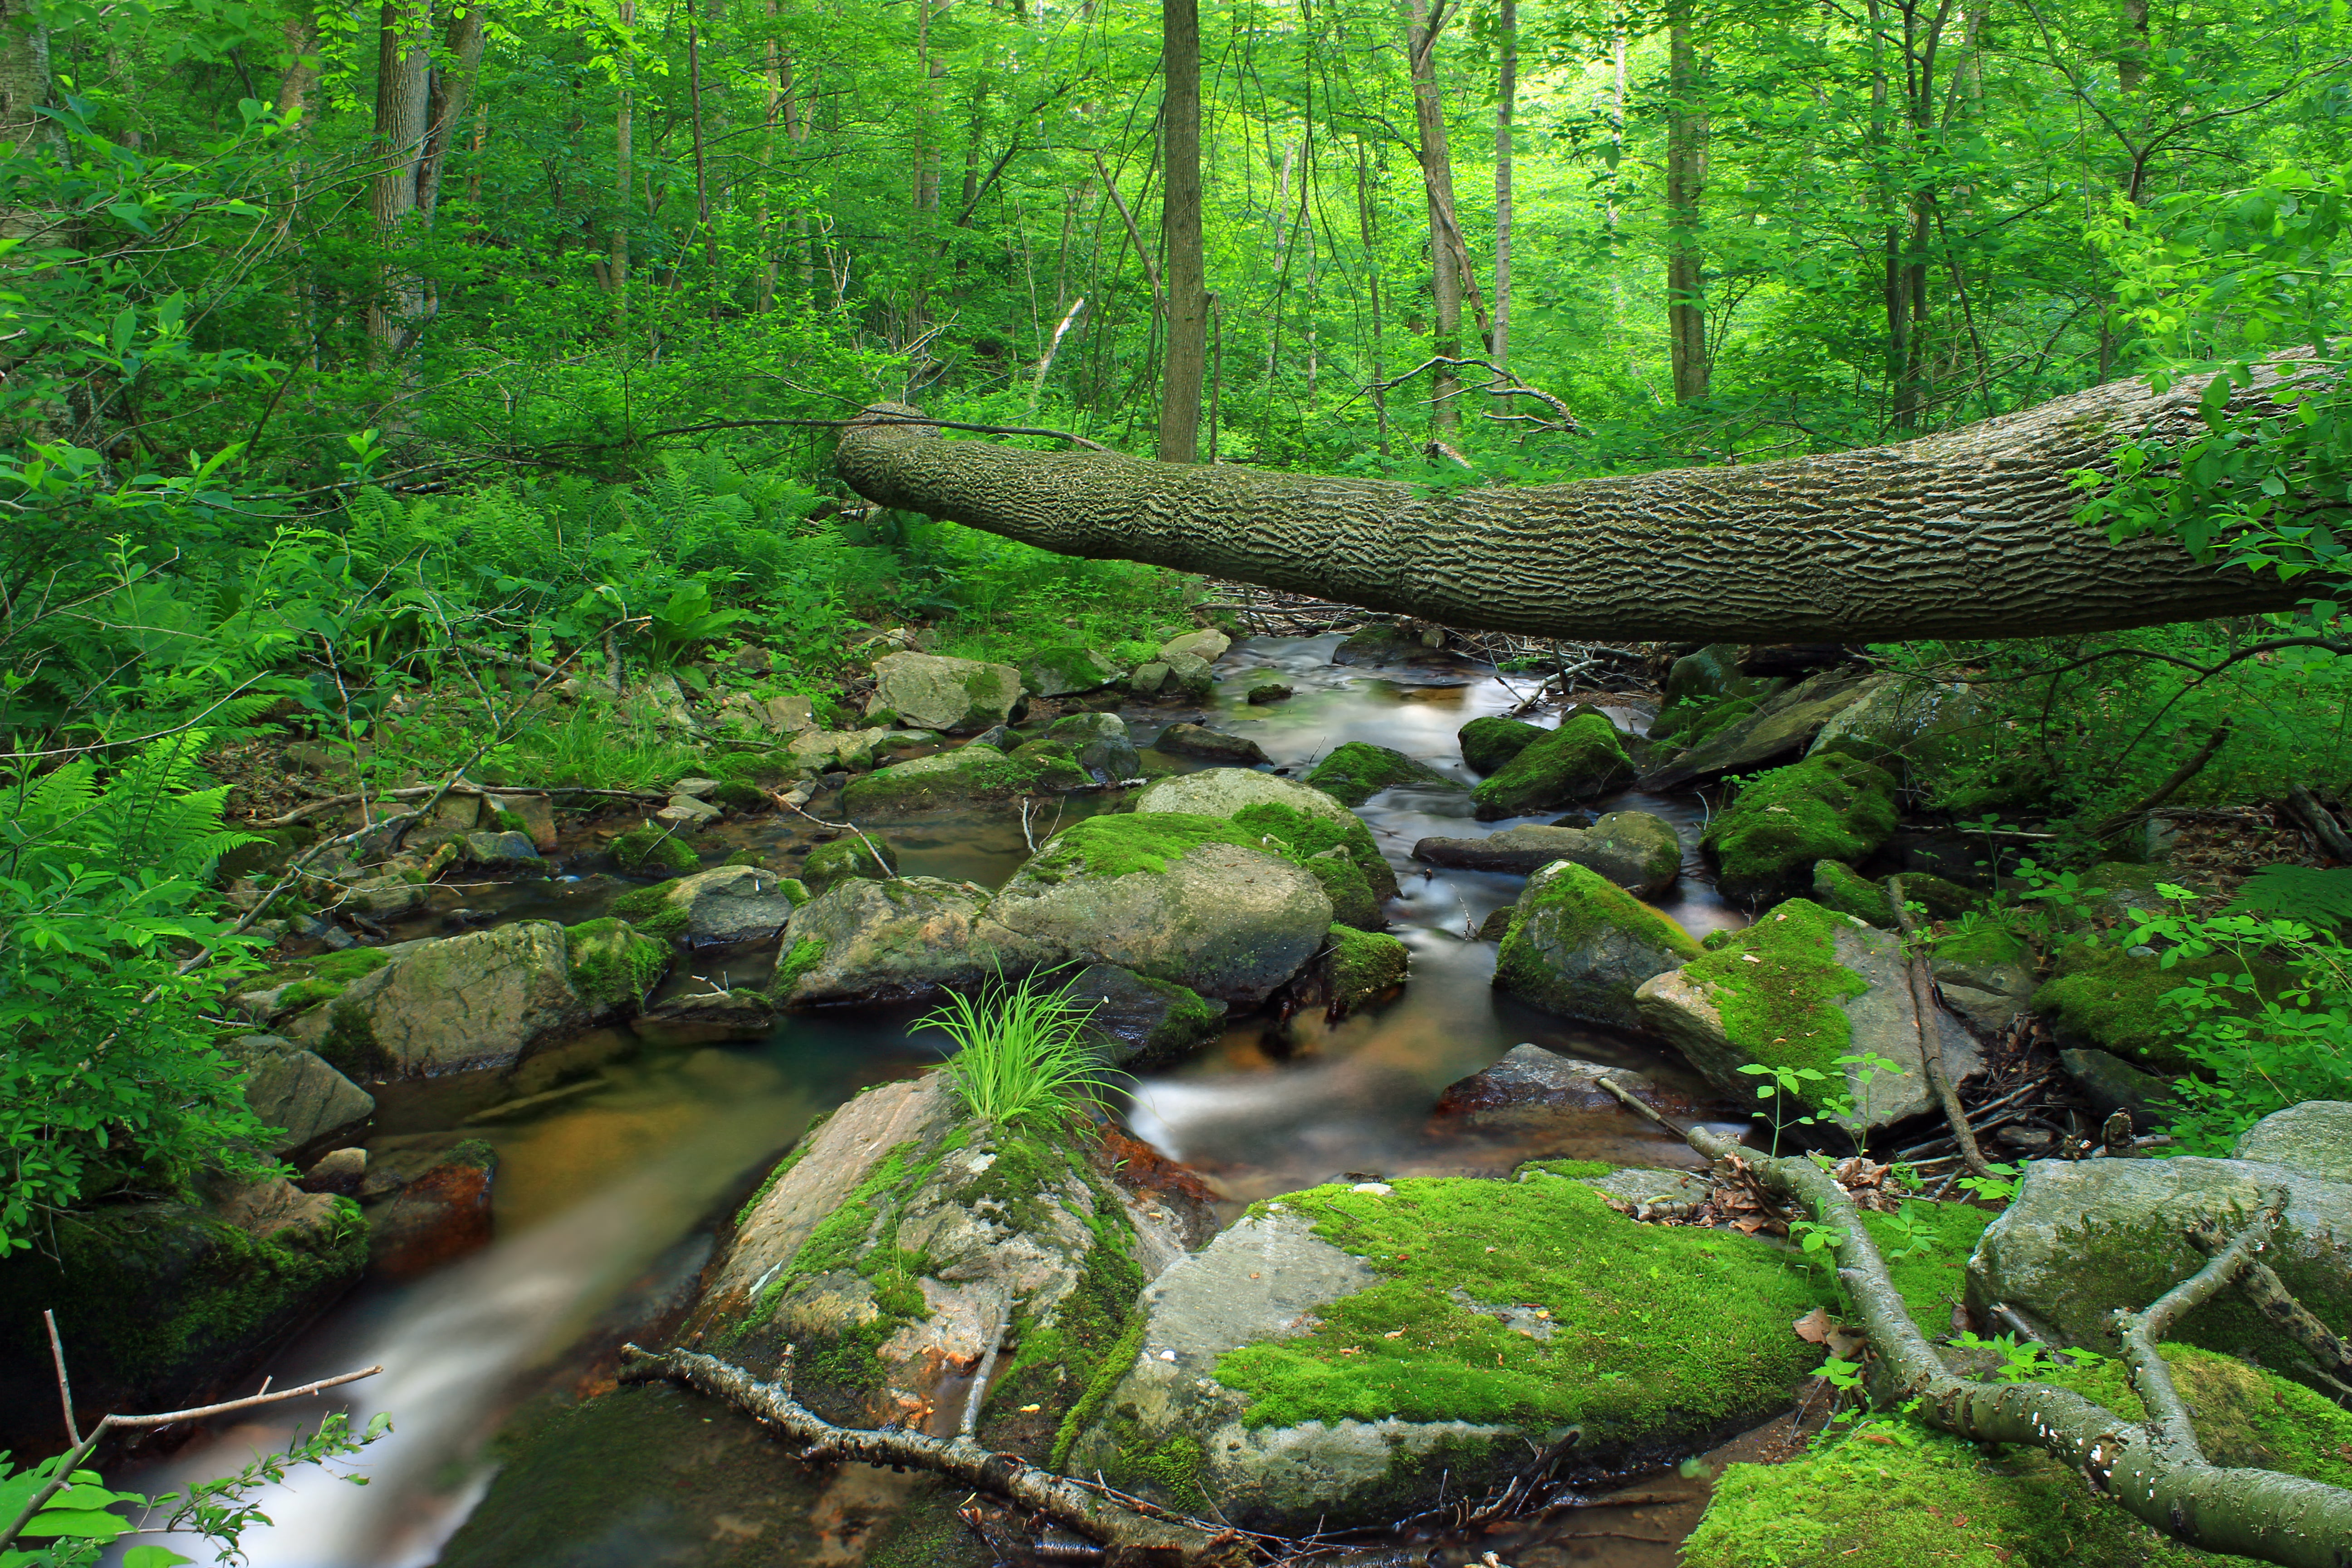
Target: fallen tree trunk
<point>1969,534</point>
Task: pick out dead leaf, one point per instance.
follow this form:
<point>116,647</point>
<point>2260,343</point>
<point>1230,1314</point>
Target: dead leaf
<point>1393,1335</point>
<point>1813,1328</point>
<point>1031,1409</point>
<point>1749,958</point>
<point>1845,1343</point>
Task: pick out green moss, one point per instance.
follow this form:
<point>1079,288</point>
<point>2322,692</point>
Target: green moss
<point>2246,1418</point>
<point>969,773</point>
<point>2102,996</point>
<point>349,1046</point>
<point>1824,808</point>
<point>1838,886</point>
<point>645,850</point>
<point>1932,1281</point>
<point>1982,941</point>
<point>1123,844</point>
<point>1489,743</point>
<point>1566,909</point>
<point>1653,1331</point>
<point>1580,760</point>
<point>506,821</point>
<point>611,964</point>
<point>1782,1009</point>
<point>736,795</point>
<point>1365,966</point>
<point>1574,1170</point>
<point>324,979</point>
<point>859,1237</point>
<point>1089,1334</point>
<point>1356,772</point>
<point>650,910</point>
<point>1109,1371</point>
<point>1300,838</point>
<point>807,953</point>
<point>829,864</point>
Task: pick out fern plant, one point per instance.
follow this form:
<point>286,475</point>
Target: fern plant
<point>2306,893</point>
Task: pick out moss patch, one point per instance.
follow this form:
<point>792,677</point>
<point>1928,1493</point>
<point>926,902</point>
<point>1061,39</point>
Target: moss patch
<point>2098,994</point>
<point>1566,910</point>
<point>1982,941</point>
<point>611,964</point>
<point>1580,760</point>
<point>1364,967</point>
<point>1300,838</point>
<point>1651,1330</point>
<point>650,910</point>
<point>648,851</point>
<point>1782,1009</point>
<point>806,955</point>
<point>324,979</point>
<point>1123,844</point>
<point>1356,772</point>
<point>1488,743</point>
<point>1931,1281</point>
<point>1828,807</point>
<point>1838,886</point>
<point>829,865</point>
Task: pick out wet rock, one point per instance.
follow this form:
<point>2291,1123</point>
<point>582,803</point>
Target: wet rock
<point>2085,1238</point>
<point>340,1173</point>
<point>1148,678</point>
<point>816,751</point>
<point>1581,760</point>
<point>967,775</point>
<point>1496,925</point>
<point>2111,1084</point>
<point>1532,1090</point>
<point>1488,745</point>
<point>1138,1021</point>
<point>651,851</point>
<point>1385,642</point>
<point>386,898</point>
<point>1768,838</point>
<point>711,1014</point>
<point>1343,1354</point>
<point>440,1217</point>
<point>1356,772</point>
<point>531,815</point>
<point>1207,643</point>
<point>1778,729</point>
<point>506,851</point>
<point>1581,947</point>
<point>1638,851</point>
<point>726,904</point>
<point>1190,900</point>
<point>1099,743</point>
<point>1191,675</point>
<point>296,1090</point>
<point>955,696</point>
<point>899,1242</point>
<point>903,940</point>
<point>1066,671</point>
<point>1272,692</point>
<point>1291,818</point>
<point>687,815</point>
<point>1362,967</point>
<point>2314,1139</point>
<point>1197,740</point>
<point>870,855</point>
<point>1800,988</point>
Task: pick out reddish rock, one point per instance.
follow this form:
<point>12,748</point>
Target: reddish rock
<point>440,1217</point>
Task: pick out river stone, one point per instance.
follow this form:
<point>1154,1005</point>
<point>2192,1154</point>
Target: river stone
<point>1066,671</point>
<point>480,1000</point>
<point>2314,1139</point>
<point>1487,744</point>
<point>1226,919</point>
<point>1580,947</point>
<point>1140,1022</point>
<point>288,1087</point>
<point>1920,728</point>
<point>1780,825</point>
<point>826,750</point>
<point>1148,678</point>
<point>534,815</point>
<point>900,1242</point>
<point>956,696</point>
<point>1582,760</point>
<point>1358,770</point>
<point>2083,1237</point>
<point>339,1171</point>
<point>504,851</point>
<point>970,774</point>
<point>859,855</point>
<point>386,898</point>
<point>1198,741</point>
<point>1207,644</point>
<point>2111,1084</point>
<point>1777,730</point>
<point>726,904</point>
<point>1634,849</point>
<point>1100,743</point>
<point>1191,675</point>
<point>1267,804</point>
<point>1834,962</point>
<point>1532,1091</point>
<point>442,1216</point>
<point>1222,792</point>
<point>1385,642</point>
<point>906,940</point>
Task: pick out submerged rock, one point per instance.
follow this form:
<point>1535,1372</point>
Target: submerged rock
<point>1581,947</point>
<point>1639,852</point>
<point>1767,839</point>
<point>441,1215</point>
<point>1099,743</point>
<point>1532,1090</point>
<point>954,696</point>
<point>726,904</point>
<point>1196,741</point>
<point>1341,1354</point>
<point>1356,772</point>
<point>1801,988</point>
<point>1583,759</point>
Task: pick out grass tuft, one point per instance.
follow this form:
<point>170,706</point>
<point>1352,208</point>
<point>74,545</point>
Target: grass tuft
<point>1021,1055</point>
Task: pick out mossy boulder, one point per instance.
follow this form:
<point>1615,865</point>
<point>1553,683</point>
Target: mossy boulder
<point>1487,744</point>
<point>970,774</point>
<point>646,850</point>
<point>1099,743</point>
<point>313,1107</point>
<point>1580,946</point>
<point>1766,841</point>
<point>726,904</point>
<point>1801,988</point>
<point>1777,729</point>
<point>1705,685</point>
<point>1635,849</point>
<point>1356,772</point>
<point>870,855</point>
<point>2102,996</point>
<point>1343,1354</point>
<point>898,1241</point>
<point>864,940</point>
<point>1897,1504</point>
<point>1066,670</point>
<point>1385,642</point>
<point>815,751</point>
<point>1582,760</point>
<point>1137,1021</point>
<point>953,696</point>
<point>1292,819</point>
<point>1363,966</point>
<point>613,968</point>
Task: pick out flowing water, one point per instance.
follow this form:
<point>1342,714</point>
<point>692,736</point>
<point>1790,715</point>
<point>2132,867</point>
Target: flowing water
<point>606,1201</point>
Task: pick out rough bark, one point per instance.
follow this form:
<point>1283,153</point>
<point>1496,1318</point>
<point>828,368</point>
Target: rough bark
<point>1968,534</point>
<point>25,76</point>
<point>1180,219</point>
<point>1686,138</point>
<point>1506,92</point>
<point>402,104</point>
<point>1449,261</point>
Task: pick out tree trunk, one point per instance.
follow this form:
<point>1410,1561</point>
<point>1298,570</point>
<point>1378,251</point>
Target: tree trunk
<point>617,264</point>
<point>1437,186</point>
<point>1967,534</point>
<point>1180,208</point>
<point>1686,137</point>
<point>25,75</point>
<point>1372,287</point>
<point>701,166</point>
<point>1506,93</point>
<point>403,96</point>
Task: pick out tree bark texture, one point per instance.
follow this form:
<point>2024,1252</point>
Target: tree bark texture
<point>403,94</point>
<point>1966,535</point>
<point>1506,92</point>
<point>1448,271</point>
<point>1686,137</point>
<point>25,76</point>
<point>1179,209</point>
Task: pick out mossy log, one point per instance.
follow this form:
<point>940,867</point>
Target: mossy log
<point>1966,535</point>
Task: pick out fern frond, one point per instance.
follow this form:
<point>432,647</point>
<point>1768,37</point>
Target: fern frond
<point>2304,893</point>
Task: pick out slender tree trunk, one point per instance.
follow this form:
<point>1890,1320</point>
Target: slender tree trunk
<point>452,95</point>
<point>25,75</point>
<point>1506,93</point>
<point>775,76</point>
<point>1285,231</point>
<point>1372,288</point>
<point>701,166</point>
<point>1687,149</point>
<point>403,107</point>
<point>1188,300</point>
<point>1613,205</point>
<point>617,263</point>
<point>1437,186</point>
<point>298,35</point>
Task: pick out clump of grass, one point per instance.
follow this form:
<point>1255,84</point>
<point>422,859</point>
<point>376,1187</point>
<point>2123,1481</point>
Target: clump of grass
<point>1021,1055</point>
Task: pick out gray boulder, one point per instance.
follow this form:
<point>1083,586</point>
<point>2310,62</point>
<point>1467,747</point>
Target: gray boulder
<point>2314,1139</point>
<point>1066,671</point>
<point>1638,851</point>
<point>1776,730</point>
<point>726,904</point>
<point>955,696</point>
<point>1581,947</point>
<point>1198,741</point>
<point>827,751</point>
<point>1191,675</point>
<point>1533,1092</point>
<point>2111,1084</point>
<point>1100,743</point>
<point>1148,678</point>
<point>905,940</point>
<point>1921,726</point>
<point>1207,643</point>
<point>1222,792</point>
<point>969,774</point>
<point>504,851</point>
<point>1138,1021</point>
<point>294,1089</point>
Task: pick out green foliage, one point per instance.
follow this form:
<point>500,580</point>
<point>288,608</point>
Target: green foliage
<point>1022,1058</point>
<point>2311,895</point>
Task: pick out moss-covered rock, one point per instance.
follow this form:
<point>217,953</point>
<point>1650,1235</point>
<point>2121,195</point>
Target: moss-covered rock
<point>1364,967</point>
<point>1838,886</point>
<point>646,850</point>
<point>1580,946</point>
<point>613,967</point>
<point>2101,996</point>
<point>1356,772</point>
<point>1824,808</point>
<point>479,1000</point>
<point>1801,988</point>
<point>1635,849</point>
<point>326,977</point>
<point>725,904</point>
<point>970,774</point>
<point>865,941</point>
<point>954,696</point>
<point>1701,687</point>
<point>1778,728</point>
<point>1454,1331</point>
<point>1137,1021</point>
<point>1291,819</point>
<point>831,864</point>
<point>1487,744</point>
<point>1099,743</point>
<point>1583,759</point>
<point>1066,670</point>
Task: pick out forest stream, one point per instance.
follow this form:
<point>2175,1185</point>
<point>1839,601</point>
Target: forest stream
<point>608,1196</point>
